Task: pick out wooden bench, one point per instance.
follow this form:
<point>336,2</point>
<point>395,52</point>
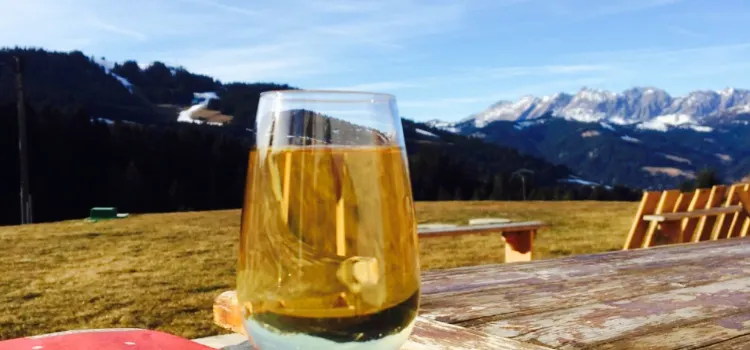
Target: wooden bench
<point>518,236</point>
<point>668,217</point>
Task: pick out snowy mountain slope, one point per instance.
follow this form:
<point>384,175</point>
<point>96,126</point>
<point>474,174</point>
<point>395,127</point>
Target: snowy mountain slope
<point>200,103</point>
<point>108,66</point>
<point>640,155</point>
<point>647,107</point>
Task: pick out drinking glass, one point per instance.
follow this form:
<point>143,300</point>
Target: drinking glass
<point>328,251</point>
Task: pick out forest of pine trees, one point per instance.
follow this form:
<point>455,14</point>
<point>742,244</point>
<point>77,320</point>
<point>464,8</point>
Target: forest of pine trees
<point>78,162</point>
<point>95,142</point>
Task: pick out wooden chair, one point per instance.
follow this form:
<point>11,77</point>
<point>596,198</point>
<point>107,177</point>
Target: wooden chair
<point>670,216</point>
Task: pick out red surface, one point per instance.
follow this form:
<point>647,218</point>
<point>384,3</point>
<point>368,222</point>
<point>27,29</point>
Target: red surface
<point>104,340</point>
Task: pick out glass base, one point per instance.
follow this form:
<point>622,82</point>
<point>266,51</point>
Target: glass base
<point>269,340</point>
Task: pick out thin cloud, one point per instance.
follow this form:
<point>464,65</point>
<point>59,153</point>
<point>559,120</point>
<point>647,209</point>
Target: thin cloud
<point>543,70</point>
<point>577,10</point>
<point>260,63</point>
<point>681,31</point>
<point>349,6</point>
<point>619,7</point>
<point>321,39</point>
<point>574,73</point>
<point>98,23</point>
<point>379,86</point>
<point>439,103</point>
<point>288,41</point>
<point>228,8</point>
<point>650,54</point>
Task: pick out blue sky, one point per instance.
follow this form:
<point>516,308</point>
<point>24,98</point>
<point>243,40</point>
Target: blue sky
<point>442,59</point>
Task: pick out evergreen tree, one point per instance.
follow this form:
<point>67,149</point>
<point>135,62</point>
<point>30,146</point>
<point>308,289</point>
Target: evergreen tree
<point>132,188</point>
<point>707,178</point>
<point>497,189</point>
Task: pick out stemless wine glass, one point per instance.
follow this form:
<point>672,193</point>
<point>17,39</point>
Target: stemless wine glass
<point>328,253</point>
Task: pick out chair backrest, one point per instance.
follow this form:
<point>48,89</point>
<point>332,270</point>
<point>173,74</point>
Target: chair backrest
<point>667,217</point>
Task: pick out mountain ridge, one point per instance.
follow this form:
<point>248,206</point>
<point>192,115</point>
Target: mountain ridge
<point>647,107</point>
<point>626,154</point>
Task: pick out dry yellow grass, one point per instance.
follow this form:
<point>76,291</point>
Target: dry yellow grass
<point>162,271</point>
<point>575,228</point>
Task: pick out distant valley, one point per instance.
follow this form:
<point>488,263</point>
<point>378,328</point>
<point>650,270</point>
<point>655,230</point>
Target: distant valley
<point>641,137</point>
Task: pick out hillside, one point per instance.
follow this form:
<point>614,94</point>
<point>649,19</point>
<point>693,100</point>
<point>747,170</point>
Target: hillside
<point>106,134</point>
<point>153,93</point>
<point>73,80</point>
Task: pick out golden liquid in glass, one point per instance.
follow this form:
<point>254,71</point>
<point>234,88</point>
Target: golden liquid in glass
<point>328,246</point>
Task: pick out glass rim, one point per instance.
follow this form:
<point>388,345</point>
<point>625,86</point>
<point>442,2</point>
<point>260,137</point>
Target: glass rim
<point>317,94</point>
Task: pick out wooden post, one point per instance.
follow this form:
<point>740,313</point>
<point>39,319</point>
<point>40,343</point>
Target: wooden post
<point>518,245</point>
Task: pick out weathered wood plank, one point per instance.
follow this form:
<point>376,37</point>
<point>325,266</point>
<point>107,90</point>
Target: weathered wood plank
<point>601,322</point>
<point>738,343</point>
<point>604,265</point>
<point>638,229</point>
<point>427,334</point>
<point>620,255</point>
<point>692,214</point>
<point>430,334</point>
<point>518,236</point>
<point>493,228</point>
<point>559,291</point>
<point>689,295</point>
<point>698,335</point>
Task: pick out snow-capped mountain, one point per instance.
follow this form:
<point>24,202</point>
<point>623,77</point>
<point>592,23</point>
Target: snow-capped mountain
<point>645,107</point>
<point>642,137</point>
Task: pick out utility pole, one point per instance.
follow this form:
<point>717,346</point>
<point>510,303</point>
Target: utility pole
<point>522,174</point>
<point>25,197</point>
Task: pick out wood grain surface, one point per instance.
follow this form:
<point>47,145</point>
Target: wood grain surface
<point>681,296</point>
<point>677,296</point>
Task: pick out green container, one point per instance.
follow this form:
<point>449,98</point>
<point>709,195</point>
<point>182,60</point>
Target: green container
<point>103,213</point>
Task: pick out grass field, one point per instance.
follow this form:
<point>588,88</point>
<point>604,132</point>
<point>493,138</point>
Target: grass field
<point>162,271</point>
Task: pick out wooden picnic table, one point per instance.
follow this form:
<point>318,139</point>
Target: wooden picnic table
<point>693,295</point>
